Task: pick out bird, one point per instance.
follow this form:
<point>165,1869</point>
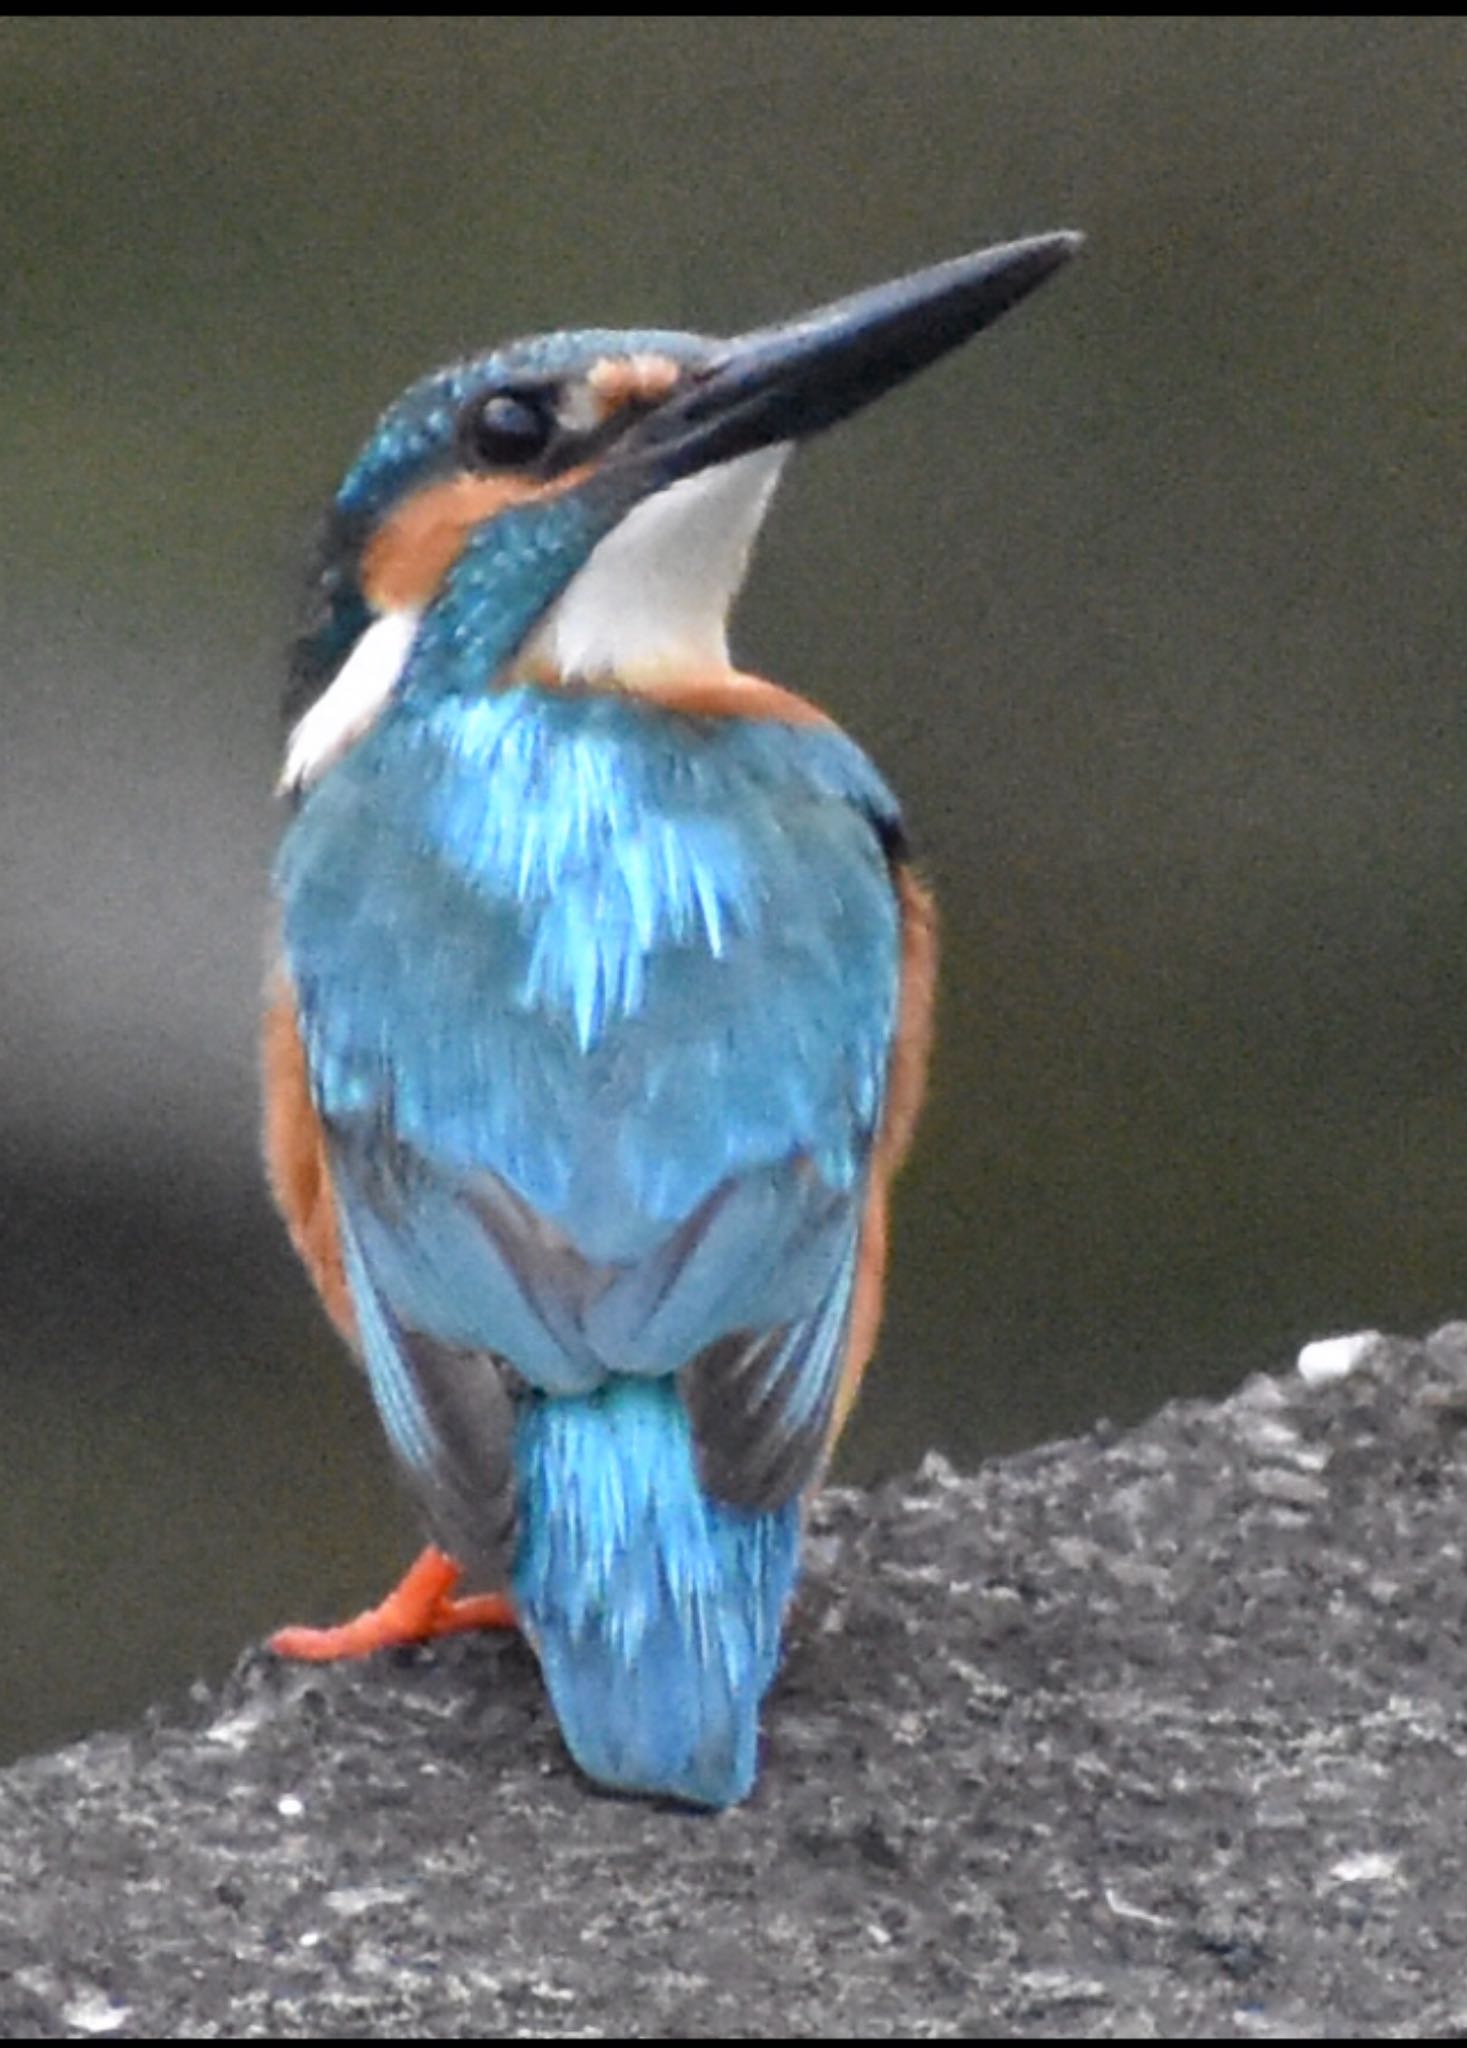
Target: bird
<point>600,1004</point>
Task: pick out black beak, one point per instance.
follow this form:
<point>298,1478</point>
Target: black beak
<point>784,383</point>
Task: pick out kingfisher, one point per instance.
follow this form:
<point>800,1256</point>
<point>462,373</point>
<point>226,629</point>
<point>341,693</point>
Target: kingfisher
<point>601,1007</point>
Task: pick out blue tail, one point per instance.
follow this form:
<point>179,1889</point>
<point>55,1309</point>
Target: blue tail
<point>656,1612</point>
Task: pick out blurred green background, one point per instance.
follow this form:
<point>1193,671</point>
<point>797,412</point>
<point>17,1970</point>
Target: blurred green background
<point>1151,604</point>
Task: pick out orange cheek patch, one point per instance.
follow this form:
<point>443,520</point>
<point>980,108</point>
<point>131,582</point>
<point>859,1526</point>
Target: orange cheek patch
<point>632,380</point>
<point>407,558</point>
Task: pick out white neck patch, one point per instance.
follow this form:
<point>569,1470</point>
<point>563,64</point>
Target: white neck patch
<point>352,701</point>
<point>654,597</point>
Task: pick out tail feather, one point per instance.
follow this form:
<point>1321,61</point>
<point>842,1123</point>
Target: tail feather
<point>656,1611</point>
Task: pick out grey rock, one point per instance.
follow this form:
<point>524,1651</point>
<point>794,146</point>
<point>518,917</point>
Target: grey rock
<point>1159,1734</point>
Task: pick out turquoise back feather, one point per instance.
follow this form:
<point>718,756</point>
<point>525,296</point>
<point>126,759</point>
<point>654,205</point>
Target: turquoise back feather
<point>598,1003</point>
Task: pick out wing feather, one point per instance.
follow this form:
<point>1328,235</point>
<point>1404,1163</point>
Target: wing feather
<point>598,1006</point>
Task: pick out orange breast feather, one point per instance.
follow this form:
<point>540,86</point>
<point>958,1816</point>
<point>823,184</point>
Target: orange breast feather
<point>295,1154</point>
<point>905,1088</point>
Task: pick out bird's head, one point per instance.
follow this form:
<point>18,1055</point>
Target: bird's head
<point>579,508</point>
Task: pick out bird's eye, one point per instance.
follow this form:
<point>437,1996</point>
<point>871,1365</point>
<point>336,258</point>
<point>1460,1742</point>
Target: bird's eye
<point>508,429</point>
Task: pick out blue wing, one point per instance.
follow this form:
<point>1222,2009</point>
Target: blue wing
<point>597,1003</point>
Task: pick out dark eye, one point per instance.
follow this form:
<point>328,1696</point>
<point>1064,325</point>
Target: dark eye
<point>508,428</point>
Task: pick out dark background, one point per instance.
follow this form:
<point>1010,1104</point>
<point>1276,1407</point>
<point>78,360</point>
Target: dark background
<point>1151,604</point>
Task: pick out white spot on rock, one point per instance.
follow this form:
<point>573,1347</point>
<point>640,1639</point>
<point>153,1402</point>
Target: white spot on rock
<point>233,1731</point>
<point>365,1898</point>
<point>1368,1866</point>
<point>94,2013</point>
<point>1335,1358</point>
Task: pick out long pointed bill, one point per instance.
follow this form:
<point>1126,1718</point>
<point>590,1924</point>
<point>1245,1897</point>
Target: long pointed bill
<point>784,383</point>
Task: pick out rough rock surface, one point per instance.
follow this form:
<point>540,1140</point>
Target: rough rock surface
<point>1157,1734</point>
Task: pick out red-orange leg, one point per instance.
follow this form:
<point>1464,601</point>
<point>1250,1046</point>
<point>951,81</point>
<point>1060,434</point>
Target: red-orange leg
<point>418,1608</point>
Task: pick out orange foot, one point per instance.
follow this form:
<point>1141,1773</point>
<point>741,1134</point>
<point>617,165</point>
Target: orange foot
<point>417,1608</point>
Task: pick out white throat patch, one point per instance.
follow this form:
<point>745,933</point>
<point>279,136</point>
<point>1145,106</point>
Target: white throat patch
<point>654,597</point>
<point>349,705</point>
